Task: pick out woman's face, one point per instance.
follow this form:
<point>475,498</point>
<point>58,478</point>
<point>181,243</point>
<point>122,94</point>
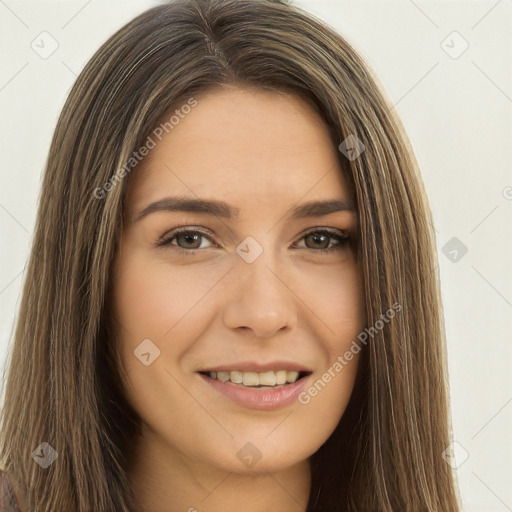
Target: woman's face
<point>254,289</point>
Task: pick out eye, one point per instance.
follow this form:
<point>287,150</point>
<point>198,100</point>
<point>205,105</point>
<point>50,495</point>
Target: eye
<point>186,239</point>
<point>322,240</point>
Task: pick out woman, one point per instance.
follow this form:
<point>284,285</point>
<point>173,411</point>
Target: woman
<point>231,300</point>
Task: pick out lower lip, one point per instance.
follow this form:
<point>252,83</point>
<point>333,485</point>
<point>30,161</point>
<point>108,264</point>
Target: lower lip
<point>259,398</point>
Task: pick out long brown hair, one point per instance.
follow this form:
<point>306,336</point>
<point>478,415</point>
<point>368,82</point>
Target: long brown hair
<point>63,385</point>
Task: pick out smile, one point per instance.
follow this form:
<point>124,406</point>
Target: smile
<point>268,378</point>
<point>266,390</point>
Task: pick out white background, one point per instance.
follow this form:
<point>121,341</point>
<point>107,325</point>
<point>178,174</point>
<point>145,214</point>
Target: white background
<point>458,115</point>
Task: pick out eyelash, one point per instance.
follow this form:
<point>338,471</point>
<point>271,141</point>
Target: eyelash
<point>167,238</point>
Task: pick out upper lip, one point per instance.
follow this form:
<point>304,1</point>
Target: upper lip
<point>252,366</point>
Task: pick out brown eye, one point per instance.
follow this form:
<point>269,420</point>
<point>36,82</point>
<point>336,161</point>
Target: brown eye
<point>188,240</point>
<point>185,239</point>
<point>322,240</point>
<point>318,241</point>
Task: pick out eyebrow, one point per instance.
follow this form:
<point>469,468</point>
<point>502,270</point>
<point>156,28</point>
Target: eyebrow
<point>225,211</point>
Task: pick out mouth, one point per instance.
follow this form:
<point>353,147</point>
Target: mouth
<point>263,390</point>
<point>268,379</point>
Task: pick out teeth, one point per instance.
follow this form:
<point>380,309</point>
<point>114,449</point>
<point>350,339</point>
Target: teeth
<point>253,379</point>
<point>292,376</point>
<point>280,377</point>
<point>236,377</point>
<point>223,376</point>
<point>267,378</point>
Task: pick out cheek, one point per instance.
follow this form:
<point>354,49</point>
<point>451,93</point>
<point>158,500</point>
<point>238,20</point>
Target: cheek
<point>165,305</point>
<point>145,301</point>
<point>334,294</point>
<point>346,312</point>
<point>153,299</point>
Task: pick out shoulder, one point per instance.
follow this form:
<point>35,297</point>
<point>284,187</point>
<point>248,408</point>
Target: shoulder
<point>7,498</point>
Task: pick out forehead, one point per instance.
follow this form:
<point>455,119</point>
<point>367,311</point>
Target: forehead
<point>245,146</point>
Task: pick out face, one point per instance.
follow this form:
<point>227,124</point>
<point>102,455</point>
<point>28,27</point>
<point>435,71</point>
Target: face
<point>237,262</point>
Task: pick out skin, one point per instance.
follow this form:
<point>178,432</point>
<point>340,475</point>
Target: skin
<point>264,153</point>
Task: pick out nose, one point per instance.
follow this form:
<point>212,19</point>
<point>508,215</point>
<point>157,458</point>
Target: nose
<point>259,299</point>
